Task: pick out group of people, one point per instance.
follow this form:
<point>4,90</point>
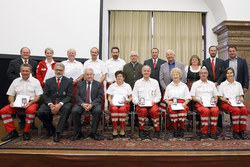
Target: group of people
<point>71,87</point>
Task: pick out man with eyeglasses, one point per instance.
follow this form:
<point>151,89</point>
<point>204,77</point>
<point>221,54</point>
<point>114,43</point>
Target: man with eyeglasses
<point>57,98</point>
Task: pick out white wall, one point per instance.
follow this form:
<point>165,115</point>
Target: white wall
<point>59,24</point>
<point>159,5</point>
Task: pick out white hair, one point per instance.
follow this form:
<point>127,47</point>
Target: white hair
<point>88,69</point>
<point>169,50</point>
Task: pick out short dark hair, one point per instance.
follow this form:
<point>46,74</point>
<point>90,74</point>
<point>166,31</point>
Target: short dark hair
<point>24,48</point>
<point>195,56</point>
<point>227,69</point>
<point>115,47</point>
<point>26,65</point>
<point>232,47</point>
<point>212,47</point>
<point>119,72</point>
<point>156,49</point>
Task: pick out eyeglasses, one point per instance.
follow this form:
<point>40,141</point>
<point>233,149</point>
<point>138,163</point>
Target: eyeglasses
<point>58,70</point>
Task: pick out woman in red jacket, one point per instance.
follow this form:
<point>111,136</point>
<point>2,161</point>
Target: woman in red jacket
<point>45,68</point>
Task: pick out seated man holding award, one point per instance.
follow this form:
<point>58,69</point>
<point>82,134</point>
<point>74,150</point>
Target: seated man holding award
<point>24,93</point>
<point>146,94</point>
<point>231,95</point>
<point>177,97</point>
<point>205,96</point>
<point>119,97</point>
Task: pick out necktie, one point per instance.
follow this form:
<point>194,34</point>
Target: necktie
<point>88,93</point>
<point>25,61</point>
<point>154,63</point>
<point>58,82</point>
<point>213,69</point>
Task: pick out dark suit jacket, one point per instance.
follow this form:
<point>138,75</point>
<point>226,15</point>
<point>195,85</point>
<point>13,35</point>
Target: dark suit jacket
<point>13,71</point>
<point>242,71</point>
<point>64,93</point>
<point>96,93</point>
<point>154,71</point>
<point>219,70</point>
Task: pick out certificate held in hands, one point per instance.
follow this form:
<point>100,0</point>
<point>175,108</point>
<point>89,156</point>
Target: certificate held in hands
<point>145,103</point>
<point>118,100</point>
<point>21,101</point>
<point>208,101</point>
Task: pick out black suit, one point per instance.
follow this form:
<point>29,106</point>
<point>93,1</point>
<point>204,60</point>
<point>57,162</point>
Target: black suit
<point>154,71</point>
<point>52,94</point>
<point>242,71</point>
<point>13,71</point>
<point>219,70</point>
<point>96,99</point>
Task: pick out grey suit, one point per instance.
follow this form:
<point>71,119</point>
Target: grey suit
<point>96,111</point>
<point>165,77</point>
<point>52,94</point>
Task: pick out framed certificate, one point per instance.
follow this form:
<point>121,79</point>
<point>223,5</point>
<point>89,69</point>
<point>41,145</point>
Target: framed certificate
<point>208,102</point>
<point>177,106</point>
<point>236,103</point>
<point>21,101</point>
<point>118,100</point>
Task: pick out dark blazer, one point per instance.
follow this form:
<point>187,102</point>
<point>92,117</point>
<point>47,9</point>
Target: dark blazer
<point>13,71</point>
<point>219,70</point>
<point>155,72</point>
<point>64,93</point>
<point>96,93</point>
<point>242,71</point>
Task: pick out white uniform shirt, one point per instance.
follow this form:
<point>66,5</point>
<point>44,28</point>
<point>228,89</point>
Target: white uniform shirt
<point>149,90</point>
<point>30,87</point>
<point>98,66</point>
<point>180,91</point>
<point>113,66</point>
<point>230,90</point>
<point>203,89</point>
<point>124,89</point>
<point>73,69</point>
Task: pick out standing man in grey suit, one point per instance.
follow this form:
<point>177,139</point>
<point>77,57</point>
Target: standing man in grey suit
<point>166,68</point>
<point>13,72</point>
<point>215,67</point>
<point>89,96</point>
<point>57,97</point>
<point>155,64</point>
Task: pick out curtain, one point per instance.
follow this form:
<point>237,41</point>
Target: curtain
<point>131,31</point>
<point>180,32</point>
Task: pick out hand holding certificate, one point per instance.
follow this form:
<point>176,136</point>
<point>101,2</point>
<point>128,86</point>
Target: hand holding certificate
<point>21,101</point>
<point>118,100</point>
<point>208,101</point>
<point>236,103</point>
<point>145,103</point>
<point>177,106</point>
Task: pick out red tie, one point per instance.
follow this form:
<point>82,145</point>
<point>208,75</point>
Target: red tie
<point>25,61</point>
<point>88,93</point>
<point>58,82</point>
<point>154,63</point>
<point>213,69</point>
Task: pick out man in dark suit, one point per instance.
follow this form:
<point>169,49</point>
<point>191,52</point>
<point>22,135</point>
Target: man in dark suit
<point>155,64</point>
<point>57,97</point>
<point>13,72</point>
<point>240,67</point>
<point>89,96</point>
<point>215,67</point>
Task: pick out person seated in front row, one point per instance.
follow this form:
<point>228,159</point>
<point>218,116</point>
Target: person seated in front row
<point>24,85</point>
<point>119,97</point>
<point>232,90</point>
<point>146,94</point>
<point>204,91</point>
<point>88,99</point>
<point>57,97</point>
<point>177,92</point>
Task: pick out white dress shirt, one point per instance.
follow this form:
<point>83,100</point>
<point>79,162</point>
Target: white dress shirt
<point>124,89</point>
<point>98,66</point>
<point>230,90</point>
<point>30,87</point>
<point>71,68</point>
<point>180,91</point>
<point>149,90</point>
<point>203,89</point>
<point>113,66</point>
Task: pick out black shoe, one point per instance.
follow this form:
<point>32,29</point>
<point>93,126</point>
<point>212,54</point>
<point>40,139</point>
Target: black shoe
<point>157,134</point>
<point>243,135</point>
<point>236,135</point>
<point>12,135</point>
<point>214,136</point>
<point>85,123</point>
<point>57,137</point>
<point>95,136</point>
<point>122,136</point>
<point>115,136</point>
<point>77,136</point>
<point>33,126</point>
<point>204,136</point>
<point>175,134</point>
<point>181,133</point>
<point>141,134</point>
<point>26,136</point>
<point>21,125</point>
<point>49,134</point>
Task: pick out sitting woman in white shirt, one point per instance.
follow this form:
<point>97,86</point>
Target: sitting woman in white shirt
<point>232,90</point>
<point>119,97</point>
<point>177,92</point>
